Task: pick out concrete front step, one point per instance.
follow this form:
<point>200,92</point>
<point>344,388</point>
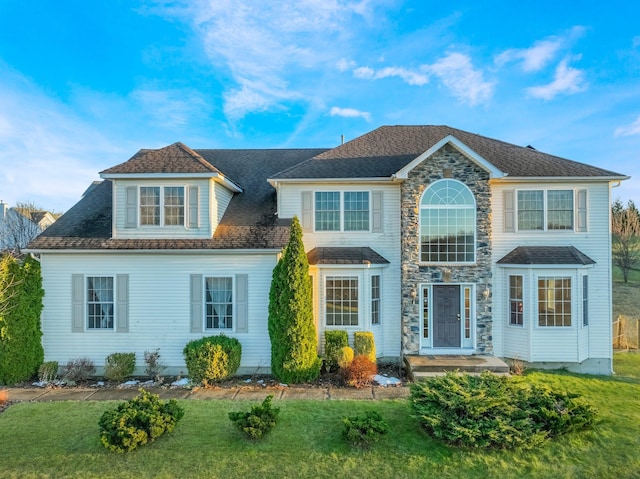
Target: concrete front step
<point>428,365</point>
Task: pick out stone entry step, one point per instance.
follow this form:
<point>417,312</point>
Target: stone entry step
<point>429,365</point>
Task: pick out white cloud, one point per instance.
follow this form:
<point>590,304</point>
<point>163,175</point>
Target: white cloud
<point>344,65</point>
<point>465,82</point>
<point>265,44</point>
<point>567,80</point>
<point>629,130</point>
<point>408,76</point>
<point>49,154</point>
<point>350,113</point>
<point>169,108</point>
<point>534,58</point>
<point>541,53</point>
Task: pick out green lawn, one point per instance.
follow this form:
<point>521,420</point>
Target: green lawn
<point>61,440</point>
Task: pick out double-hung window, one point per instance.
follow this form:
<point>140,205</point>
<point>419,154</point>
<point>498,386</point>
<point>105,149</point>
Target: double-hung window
<point>219,303</point>
<point>162,205</point>
<point>100,302</point>
<point>516,301</point>
<point>342,211</point>
<point>545,210</point>
<point>375,299</point>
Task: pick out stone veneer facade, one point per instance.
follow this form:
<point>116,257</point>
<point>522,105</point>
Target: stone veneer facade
<point>447,162</point>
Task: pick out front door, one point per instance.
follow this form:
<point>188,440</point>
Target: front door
<point>446,316</point>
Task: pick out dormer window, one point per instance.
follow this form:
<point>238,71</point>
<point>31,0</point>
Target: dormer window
<point>166,208</point>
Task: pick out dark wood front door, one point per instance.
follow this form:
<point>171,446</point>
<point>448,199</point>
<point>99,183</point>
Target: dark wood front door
<point>446,316</point>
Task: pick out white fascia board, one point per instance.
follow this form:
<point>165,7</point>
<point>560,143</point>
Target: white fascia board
<point>210,252</point>
<point>378,180</point>
<point>217,177</point>
<point>350,266</point>
<point>573,179</point>
<point>545,266</point>
<point>462,148</point>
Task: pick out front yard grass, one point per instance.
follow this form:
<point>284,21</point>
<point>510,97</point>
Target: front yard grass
<point>62,440</point>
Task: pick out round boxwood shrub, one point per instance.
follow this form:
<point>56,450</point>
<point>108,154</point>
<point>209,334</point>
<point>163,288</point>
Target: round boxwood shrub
<point>212,358</point>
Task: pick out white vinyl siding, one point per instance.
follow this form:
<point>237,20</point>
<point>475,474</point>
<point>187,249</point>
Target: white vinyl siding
<point>384,239</point>
<point>159,304</point>
<point>548,344</point>
<point>189,208</point>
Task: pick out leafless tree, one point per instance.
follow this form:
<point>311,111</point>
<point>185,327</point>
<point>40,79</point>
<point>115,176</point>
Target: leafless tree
<point>625,229</point>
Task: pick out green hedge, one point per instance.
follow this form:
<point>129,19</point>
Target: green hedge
<point>212,358</point>
<point>119,366</point>
<point>334,341</point>
<point>364,345</point>
<point>21,294</point>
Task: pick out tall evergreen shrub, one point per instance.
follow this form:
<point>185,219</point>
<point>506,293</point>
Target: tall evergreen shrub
<point>21,294</point>
<point>294,356</point>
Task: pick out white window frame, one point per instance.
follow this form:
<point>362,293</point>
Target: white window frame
<point>206,303</point>
<point>473,207</point>
<point>163,205</point>
<point>350,277</point>
<point>341,211</point>
<point>585,300</point>
<point>520,301</point>
<point>376,302</point>
<point>87,302</point>
<point>573,317</point>
<point>545,210</point>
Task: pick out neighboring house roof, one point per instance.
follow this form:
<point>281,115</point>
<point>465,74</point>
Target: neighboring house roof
<point>249,221</point>
<point>386,150</point>
<point>546,255</point>
<point>344,255</point>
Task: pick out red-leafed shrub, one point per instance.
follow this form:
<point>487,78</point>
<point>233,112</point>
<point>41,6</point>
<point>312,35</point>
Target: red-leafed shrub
<point>360,372</point>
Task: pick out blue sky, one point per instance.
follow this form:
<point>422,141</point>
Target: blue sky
<point>85,84</point>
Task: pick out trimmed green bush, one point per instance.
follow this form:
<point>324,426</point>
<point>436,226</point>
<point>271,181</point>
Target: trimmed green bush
<point>77,370</point>
<point>258,421</point>
<point>490,411</point>
<point>212,358</point>
<point>138,421</point>
<point>294,351</point>
<point>48,371</point>
<point>334,340</point>
<point>21,296</point>
<point>364,430</point>
<point>345,356</point>
<point>364,345</point>
<point>119,366</point>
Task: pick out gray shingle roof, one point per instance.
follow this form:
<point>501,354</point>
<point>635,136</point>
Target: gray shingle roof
<point>386,150</point>
<point>546,255</point>
<point>249,222</point>
<point>345,255</point>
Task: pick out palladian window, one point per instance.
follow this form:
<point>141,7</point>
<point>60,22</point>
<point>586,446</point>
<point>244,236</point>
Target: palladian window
<point>447,223</point>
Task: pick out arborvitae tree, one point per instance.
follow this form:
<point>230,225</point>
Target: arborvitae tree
<point>294,356</point>
<point>21,294</point>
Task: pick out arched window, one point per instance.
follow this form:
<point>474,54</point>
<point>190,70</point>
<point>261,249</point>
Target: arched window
<point>447,223</point>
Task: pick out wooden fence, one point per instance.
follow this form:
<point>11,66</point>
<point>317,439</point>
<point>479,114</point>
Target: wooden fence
<point>626,333</point>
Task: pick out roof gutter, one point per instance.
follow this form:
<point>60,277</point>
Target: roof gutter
<point>220,252</point>
<point>217,177</point>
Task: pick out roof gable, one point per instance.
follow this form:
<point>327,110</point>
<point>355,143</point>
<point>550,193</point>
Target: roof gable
<point>462,148</point>
<point>389,150</point>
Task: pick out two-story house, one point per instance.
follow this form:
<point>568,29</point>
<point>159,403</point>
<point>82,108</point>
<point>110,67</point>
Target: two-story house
<point>437,240</point>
